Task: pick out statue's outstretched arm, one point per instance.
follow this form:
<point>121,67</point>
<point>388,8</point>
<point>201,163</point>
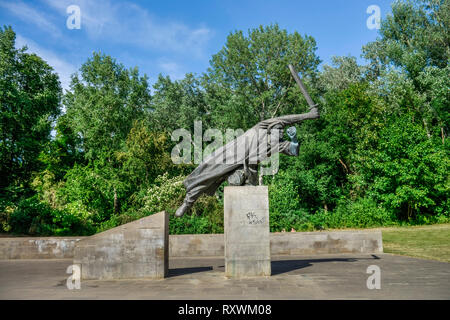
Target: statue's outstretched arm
<point>292,119</point>
<point>296,118</point>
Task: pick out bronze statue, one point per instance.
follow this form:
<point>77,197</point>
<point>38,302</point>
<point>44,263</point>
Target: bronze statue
<point>238,160</point>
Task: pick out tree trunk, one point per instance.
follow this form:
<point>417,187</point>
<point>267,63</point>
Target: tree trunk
<point>116,202</point>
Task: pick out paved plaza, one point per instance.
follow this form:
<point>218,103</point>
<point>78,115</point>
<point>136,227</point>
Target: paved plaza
<point>341,276</point>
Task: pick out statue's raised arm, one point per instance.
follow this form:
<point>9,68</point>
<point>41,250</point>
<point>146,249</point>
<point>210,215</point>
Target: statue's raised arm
<point>292,119</point>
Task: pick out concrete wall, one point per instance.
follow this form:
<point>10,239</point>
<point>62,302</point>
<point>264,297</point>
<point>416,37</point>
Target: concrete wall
<point>351,241</point>
<point>286,243</point>
<point>297,243</point>
<point>135,250</point>
<point>38,247</point>
<point>201,245</point>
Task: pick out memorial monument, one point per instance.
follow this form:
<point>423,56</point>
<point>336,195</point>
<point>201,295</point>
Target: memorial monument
<point>140,249</point>
<point>238,160</point>
<point>246,206</point>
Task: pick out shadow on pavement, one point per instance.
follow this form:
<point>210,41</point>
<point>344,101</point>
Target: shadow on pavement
<point>278,266</point>
<point>284,266</point>
<point>183,271</point>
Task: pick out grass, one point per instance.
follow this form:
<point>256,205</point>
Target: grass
<point>427,242</point>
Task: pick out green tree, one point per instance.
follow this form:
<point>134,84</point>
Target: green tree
<point>415,41</point>
<point>145,156</point>
<point>350,120</point>
<point>30,95</point>
<point>413,37</point>
<point>177,104</point>
<point>406,172</point>
<point>249,80</point>
<point>343,72</point>
<point>98,188</point>
<point>104,101</point>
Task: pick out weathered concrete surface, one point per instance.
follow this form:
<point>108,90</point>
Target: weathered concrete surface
<point>286,243</point>
<point>209,245</point>
<point>295,243</point>
<point>38,247</point>
<point>246,231</point>
<point>337,276</point>
<point>138,249</point>
<point>196,245</point>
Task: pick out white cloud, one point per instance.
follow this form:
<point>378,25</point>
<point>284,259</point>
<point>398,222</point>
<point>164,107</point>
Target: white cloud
<point>130,24</point>
<point>173,69</point>
<point>28,14</point>
<point>63,68</point>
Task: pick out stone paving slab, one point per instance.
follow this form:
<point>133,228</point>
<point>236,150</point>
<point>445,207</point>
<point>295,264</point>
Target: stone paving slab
<point>293,277</point>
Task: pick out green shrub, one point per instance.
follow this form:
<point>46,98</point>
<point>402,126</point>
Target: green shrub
<point>166,194</point>
<point>362,213</point>
<point>6,209</point>
<point>206,216</point>
<point>189,224</point>
<point>283,195</point>
<point>33,217</point>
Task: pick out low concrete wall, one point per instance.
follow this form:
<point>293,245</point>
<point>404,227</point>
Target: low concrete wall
<point>286,243</point>
<point>38,248</point>
<point>196,245</point>
<point>297,243</point>
<point>208,245</point>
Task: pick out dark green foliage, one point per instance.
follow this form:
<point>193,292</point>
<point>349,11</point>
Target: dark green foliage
<point>30,96</point>
<point>34,217</point>
<point>362,213</point>
<point>177,104</point>
<point>408,172</point>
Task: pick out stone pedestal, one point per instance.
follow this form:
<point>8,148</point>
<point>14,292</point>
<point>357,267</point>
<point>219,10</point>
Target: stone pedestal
<point>247,234</point>
<point>139,249</point>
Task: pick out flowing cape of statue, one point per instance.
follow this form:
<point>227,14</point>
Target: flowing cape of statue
<point>250,148</point>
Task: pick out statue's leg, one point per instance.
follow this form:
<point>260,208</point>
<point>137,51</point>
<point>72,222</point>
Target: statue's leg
<point>191,196</point>
<point>237,178</point>
<point>251,175</point>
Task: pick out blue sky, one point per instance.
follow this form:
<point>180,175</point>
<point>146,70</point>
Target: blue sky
<point>176,37</point>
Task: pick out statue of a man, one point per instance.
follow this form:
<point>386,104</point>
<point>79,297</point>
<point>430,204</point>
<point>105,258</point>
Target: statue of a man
<point>238,160</point>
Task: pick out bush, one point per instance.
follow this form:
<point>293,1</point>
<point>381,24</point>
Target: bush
<point>166,194</point>
<point>362,213</point>
<point>283,195</point>
<point>206,216</point>
<point>6,208</point>
<point>33,217</point>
